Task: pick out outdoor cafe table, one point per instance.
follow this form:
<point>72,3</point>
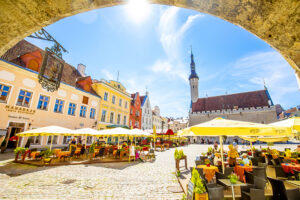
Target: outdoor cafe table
<point>288,167</point>
<point>227,183</point>
<point>34,154</point>
<point>240,171</point>
<point>296,183</point>
<point>63,154</point>
<point>209,171</point>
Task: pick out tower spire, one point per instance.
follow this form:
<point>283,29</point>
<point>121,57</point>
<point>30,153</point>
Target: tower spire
<point>193,79</point>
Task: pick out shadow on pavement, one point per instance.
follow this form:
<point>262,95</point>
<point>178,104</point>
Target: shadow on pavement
<point>115,165</point>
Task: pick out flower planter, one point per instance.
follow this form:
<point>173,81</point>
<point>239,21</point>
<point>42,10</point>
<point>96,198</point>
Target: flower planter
<point>208,165</point>
<point>203,196</point>
<point>47,161</point>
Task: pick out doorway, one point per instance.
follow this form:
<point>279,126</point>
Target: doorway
<point>13,129</point>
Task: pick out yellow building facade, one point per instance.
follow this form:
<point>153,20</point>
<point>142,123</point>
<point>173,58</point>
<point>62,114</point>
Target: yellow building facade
<point>115,104</point>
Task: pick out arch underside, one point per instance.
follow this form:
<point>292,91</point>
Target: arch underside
<point>277,22</point>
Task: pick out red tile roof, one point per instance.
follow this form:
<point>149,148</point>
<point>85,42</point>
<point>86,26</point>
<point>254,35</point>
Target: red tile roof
<point>239,100</point>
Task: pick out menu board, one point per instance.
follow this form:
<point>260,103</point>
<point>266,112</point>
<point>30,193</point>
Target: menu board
<point>190,191</point>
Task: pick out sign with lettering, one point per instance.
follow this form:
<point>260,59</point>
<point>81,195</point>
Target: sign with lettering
<point>190,191</point>
<point>19,109</point>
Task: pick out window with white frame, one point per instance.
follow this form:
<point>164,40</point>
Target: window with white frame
<point>111,119</point>
<point>82,111</point>
<point>59,105</point>
<point>72,108</point>
<point>24,98</point>
<point>119,119</point>
<point>120,102</point>
<point>43,102</point>
<point>35,139</point>
<point>105,98</point>
<point>92,113</point>
<point>126,104</point>
<point>4,92</point>
<point>113,100</point>
<point>103,115</point>
<point>124,122</point>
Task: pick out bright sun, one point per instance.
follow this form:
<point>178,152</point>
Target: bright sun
<point>138,10</point>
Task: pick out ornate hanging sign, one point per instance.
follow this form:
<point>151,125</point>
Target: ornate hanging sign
<point>52,67</point>
<point>51,71</point>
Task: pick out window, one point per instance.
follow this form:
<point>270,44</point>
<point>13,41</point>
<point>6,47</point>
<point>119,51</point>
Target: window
<point>4,92</point>
<point>131,111</point>
<point>111,120</point>
<point>72,108</point>
<point>119,119</point>
<point>82,111</point>
<point>103,115</point>
<point>43,102</point>
<point>59,105</point>
<point>137,124</point>
<point>92,113</point>
<point>35,139</point>
<point>54,139</point>
<point>24,98</point>
<point>66,139</point>
<point>120,102</point>
<point>137,113</point>
<point>105,96</point>
<point>85,100</point>
<point>89,139</point>
<point>125,104</point>
<point>130,123</point>
<point>124,122</point>
<point>113,100</point>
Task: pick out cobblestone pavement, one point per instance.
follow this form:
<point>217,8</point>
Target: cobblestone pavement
<point>149,180</point>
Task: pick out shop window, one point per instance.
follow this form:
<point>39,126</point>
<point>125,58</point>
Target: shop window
<point>4,92</point>
<point>92,113</point>
<point>66,139</point>
<point>35,139</point>
<point>89,139</point>
<point>72,108</point>
<point>83,111</point>
<point>43,102</point>
<point>24,98</point>
<point>103,115</point>
<point>59,105</point>
<point>85,100</point>
<point>54,139</point>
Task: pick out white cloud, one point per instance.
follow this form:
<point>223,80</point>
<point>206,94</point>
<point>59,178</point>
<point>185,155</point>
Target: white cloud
<point>272,68</point>
<point>107,74</point>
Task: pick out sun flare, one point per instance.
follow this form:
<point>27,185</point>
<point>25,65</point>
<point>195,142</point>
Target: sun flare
<point>138,10</point>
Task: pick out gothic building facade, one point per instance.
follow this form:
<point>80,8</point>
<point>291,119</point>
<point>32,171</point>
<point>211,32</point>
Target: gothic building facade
<point>254,106</point>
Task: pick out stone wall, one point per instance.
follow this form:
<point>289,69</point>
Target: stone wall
<point>274,21</point>
<point>252,115</point>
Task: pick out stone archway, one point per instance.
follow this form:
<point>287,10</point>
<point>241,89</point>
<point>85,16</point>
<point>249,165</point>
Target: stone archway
<point>275,21</point>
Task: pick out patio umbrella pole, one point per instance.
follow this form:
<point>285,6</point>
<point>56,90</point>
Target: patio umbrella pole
<point>51,142</point>
<point>118,142</point>
<point>221,145</point>
<point>252,149</point>
<point>17,142</point>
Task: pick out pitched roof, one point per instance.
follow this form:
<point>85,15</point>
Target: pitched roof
<point>69,75</point>
<point>143,99</point>
<point>239,100</point>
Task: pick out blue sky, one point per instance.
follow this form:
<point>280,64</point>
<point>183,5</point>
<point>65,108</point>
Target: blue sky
<point>154,52</point>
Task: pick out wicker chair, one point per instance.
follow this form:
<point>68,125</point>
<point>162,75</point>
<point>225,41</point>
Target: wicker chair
<point>281,193</point>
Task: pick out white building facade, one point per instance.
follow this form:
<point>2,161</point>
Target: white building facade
<point>146,112</point>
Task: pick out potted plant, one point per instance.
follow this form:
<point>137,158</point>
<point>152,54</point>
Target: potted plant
<point>209,151</point>
<point>18,151</point>
<point>207,162</point>
<point>92,150</point>
<point>199,188</point>
<point>233,178</point>
<point>3,145</point>
<point>46,155</point>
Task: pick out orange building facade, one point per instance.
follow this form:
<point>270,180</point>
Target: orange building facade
<point>135,117</point>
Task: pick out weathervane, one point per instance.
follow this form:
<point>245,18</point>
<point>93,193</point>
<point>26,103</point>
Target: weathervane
<point>52,67</point>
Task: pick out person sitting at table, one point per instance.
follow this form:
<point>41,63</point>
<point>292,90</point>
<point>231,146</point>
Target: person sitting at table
<point>73,141</point>
<point>232,154</point>
<point>245,159</point>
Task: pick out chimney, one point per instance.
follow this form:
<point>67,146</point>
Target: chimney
<point>81,69</point>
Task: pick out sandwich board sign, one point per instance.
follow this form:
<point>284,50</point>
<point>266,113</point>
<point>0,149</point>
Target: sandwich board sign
<point>190,191</point>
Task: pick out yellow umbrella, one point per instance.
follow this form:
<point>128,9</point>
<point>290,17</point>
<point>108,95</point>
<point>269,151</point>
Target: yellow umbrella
<point>293,123</point>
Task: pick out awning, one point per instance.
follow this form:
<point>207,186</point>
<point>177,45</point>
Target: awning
<point>220,126</point>
<point>48,130</point>
<point>293,123</point>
